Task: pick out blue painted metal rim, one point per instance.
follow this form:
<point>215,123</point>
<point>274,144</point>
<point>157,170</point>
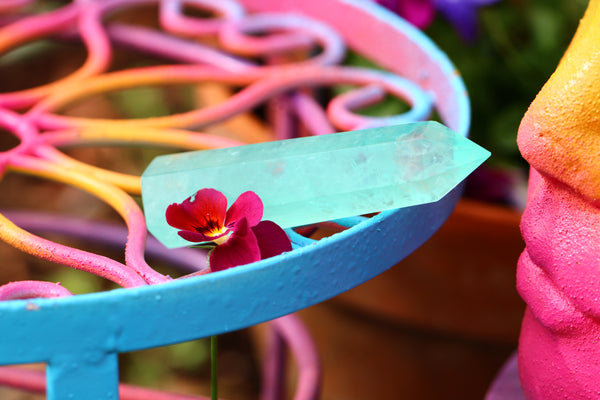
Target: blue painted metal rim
<point>125,320</point>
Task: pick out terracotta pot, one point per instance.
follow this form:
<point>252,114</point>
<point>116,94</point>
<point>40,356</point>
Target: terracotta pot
<point>437,325</point>
<point>461,281</point>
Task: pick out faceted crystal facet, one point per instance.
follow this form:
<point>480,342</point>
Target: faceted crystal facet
<point>319,178</point>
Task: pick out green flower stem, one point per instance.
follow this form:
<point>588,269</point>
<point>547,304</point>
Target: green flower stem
<point>213,368</point>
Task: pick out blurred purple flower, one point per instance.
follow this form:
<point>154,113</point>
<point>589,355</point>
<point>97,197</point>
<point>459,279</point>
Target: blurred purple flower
<point>462,14</point>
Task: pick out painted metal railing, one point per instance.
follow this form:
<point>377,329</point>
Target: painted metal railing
<point>280,53</point>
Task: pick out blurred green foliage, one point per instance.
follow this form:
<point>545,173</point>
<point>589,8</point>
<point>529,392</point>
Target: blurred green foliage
<point>151,367</point>
<point>519,46</point>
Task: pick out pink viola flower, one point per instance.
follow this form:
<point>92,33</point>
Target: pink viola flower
<point>237,234</point>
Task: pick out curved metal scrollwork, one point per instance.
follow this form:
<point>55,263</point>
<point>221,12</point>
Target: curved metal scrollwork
<point>274,57</point>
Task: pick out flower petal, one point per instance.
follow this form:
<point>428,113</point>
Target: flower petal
<point>192,236</point>
<point>272,240</point>
<point>208,207</point>
<point>177,217</point>
<point>462,16</point>
<point>204,212</point>
<point>420,13</point>
<point>247,205</point>
<point>241,248</point>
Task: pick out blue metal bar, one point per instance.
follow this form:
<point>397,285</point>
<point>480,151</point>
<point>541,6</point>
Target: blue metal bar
<point>89,376</point>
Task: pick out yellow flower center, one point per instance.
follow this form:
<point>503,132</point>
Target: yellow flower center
<point>222,239</point>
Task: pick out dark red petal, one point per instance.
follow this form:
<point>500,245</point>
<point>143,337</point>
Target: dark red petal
<point>206,210</point>
<point>248,205</point>
<point>241,248</point>
<point>193,236</point>
<point>178,218</point>
<point>272,240</point>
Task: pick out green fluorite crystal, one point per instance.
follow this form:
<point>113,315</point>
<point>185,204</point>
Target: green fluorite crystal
<point>319,178</point>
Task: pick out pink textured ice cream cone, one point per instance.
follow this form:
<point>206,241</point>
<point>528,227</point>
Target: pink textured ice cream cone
<point>558,274</point>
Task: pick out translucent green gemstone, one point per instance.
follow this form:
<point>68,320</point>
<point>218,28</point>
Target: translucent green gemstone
<point>312,179</point>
